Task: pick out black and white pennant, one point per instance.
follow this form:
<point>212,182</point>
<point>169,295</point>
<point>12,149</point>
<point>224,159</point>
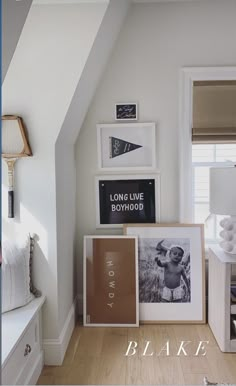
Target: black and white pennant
<point>119,146</point>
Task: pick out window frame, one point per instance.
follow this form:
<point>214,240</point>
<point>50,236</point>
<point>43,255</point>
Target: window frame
<point>187,76</point>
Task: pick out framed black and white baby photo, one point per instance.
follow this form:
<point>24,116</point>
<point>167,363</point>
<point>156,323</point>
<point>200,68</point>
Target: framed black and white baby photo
<point>171,272</point>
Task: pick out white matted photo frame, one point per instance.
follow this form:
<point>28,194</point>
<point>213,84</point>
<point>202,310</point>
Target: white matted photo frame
<point>171,272</point>
<point>110,280</point>
<point>122,199</point>
<point>126,146</point>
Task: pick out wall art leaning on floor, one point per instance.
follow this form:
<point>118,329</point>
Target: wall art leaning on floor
<point>171,272</point>
<point>111,281</point>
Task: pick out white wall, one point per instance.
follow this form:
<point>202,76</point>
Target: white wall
<point>39,86</point>
<point>156,41</point>
<point>52,78</point>
<point>65,157</point>
<point>14,14</point>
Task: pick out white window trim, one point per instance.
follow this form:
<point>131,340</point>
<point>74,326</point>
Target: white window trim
<point>187,76</point>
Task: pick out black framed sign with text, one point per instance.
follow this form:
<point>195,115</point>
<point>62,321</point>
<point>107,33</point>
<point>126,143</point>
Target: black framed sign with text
<point>126,111</point>
<point>124,201</point>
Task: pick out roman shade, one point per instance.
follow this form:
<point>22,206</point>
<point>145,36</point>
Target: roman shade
<point>214,112</point>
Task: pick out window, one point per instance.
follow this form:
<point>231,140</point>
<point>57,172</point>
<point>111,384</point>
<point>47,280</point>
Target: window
<point>205,156</point>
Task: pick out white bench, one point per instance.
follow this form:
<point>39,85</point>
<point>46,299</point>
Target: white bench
<point>22,355</point>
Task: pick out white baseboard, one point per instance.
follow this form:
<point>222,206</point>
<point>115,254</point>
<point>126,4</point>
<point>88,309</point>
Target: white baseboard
<point>55,349</point>
<point>36,370</point>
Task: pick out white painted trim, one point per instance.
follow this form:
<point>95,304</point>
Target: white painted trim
<point>55,349</point>
<point>85,323</point>
<point>36,370</point>
<point>187,76</point>
<point>68,2</point>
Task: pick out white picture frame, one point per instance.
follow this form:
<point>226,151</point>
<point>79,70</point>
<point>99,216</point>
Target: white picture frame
<point>145,191</point>
<point>127,111</point>
<point>110,259</point>
<point>126,146</point>
<point>157,303</point>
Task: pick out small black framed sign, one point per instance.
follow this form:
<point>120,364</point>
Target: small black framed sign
<point>126,112</point>
<point>127,199</point>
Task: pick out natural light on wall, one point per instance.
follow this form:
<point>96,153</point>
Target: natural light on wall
<point>204,157</point>
<point>20,229</point>
<point>213,144</point>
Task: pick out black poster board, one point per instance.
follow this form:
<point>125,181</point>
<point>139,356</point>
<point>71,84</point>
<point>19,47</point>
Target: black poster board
<point>126,111</point>
<point>127,201</point>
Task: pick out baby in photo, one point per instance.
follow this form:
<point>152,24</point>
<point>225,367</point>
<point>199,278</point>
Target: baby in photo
<point>174,270</point>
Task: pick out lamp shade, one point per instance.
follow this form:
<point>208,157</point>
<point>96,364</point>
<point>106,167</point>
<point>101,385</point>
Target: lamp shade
<point>223,190</point>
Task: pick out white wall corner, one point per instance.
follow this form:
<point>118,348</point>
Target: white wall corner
<point>55,349</point>
<point>96,63</point>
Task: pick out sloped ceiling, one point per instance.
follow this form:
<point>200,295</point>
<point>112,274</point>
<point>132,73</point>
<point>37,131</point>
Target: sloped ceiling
<point>14,14</point>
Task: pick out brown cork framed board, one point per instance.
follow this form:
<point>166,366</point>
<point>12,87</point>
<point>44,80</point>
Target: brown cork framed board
<point>110,276</point>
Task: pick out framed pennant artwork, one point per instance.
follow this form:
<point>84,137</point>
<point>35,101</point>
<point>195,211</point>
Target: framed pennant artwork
<point>130,146</point>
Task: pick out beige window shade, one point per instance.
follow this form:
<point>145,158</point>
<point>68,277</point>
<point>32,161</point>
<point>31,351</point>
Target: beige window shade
<point>214,112</point>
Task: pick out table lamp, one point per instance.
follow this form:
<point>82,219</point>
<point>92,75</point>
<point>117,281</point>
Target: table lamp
<point>223,202</point>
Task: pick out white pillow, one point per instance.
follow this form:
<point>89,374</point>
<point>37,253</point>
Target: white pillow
<point>15,275</point>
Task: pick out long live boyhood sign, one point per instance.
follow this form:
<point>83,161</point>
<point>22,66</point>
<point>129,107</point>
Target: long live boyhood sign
<point>127,201</point>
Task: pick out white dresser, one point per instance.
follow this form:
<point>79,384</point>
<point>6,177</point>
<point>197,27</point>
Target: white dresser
<point>22,355</point>
<point>219,299</point>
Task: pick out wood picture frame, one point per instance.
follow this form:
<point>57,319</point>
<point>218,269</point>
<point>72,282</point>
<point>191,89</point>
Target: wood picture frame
<point>170,291</point>
<point>126,146</point>
<point>110,280</point>
<point>15,143</point>
<point>127,198</point>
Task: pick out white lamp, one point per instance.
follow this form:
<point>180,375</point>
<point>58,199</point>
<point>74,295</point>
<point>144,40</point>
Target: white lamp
<point>223,201</point>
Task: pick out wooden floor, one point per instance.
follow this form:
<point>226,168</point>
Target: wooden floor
<point>95,356</point>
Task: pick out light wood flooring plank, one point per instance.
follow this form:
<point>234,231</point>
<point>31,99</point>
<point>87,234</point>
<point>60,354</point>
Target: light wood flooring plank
<point>45,380</point>
<point>197,379</point>
<point>97,356</point>
<point>111,370</point>
<point>90,342</point>
<point>171,371</point>
<point>143,371</point>
<point>84,372</point>
<point>205,333</point>
<point>220,366</point>
<point>73,346</point>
